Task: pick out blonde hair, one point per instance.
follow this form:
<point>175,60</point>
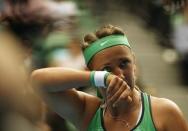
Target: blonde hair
<point>100,33</point>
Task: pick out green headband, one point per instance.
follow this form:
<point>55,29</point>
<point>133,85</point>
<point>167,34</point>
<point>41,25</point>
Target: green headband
<point>103,43</point>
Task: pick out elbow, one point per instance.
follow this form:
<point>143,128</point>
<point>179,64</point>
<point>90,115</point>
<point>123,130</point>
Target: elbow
<point>37,76</point>
<point>37,80</point>
<point>40,80</point>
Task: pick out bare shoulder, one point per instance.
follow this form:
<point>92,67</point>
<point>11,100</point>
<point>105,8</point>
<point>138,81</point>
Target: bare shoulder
<point>165,105</point>
<point>167,115</point>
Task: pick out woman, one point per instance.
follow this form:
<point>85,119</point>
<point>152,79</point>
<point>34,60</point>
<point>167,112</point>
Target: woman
<point>123,107</point>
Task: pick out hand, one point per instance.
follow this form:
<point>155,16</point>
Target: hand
<point>117,91</point>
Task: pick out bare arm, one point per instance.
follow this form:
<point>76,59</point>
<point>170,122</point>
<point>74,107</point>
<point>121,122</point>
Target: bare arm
<point>78,107</point>
<point>175,120</point>
<point>59,79</point>
<point>56,85</point>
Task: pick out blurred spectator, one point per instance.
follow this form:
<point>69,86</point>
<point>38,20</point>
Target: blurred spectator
<point>20,109</point>
<point>65,51</point>
<point>181,33</point>
<point>181,42</point>
<point>31,21</point>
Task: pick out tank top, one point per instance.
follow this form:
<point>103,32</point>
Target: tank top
<point>145,123</point>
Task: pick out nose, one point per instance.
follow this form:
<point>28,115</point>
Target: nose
<point>119,72</point>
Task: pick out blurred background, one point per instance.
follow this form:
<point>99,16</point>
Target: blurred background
<point>47,33</point>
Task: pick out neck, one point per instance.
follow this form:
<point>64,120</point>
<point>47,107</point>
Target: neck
<point>125,108</point>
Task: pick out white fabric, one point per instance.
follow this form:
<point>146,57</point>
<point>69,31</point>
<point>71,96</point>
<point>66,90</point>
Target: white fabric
<point>99,78</point>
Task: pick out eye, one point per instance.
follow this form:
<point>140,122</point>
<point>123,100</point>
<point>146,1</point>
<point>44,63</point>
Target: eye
<point>107,68</point>
<point>124,63</point>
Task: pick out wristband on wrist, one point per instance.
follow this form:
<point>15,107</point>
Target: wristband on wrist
<point>98,78</point>
<point>92,78</point>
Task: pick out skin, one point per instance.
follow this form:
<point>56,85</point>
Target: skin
<point>121,98</point>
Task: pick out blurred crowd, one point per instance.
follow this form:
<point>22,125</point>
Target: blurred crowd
<point>41,33</point>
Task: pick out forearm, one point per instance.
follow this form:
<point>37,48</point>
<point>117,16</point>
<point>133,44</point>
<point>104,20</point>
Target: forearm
<point>59,79</point>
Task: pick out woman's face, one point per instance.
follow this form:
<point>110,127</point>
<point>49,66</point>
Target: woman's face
<point>119,60</point>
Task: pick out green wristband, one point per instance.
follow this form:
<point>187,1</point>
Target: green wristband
<point>92,74</point>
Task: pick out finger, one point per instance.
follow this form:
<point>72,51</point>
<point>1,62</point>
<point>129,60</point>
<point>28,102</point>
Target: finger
<point>111,84</point>
<point>112,98</point>
<point>114,86</point>
<point>125,96</point>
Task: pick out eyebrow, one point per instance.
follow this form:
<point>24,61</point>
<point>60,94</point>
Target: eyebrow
<point>125,58</point>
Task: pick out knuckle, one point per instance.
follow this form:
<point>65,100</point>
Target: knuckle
<point>126,85</point>
<point>123,97</point>
<point>115,78</point>
<point>119,83</point>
